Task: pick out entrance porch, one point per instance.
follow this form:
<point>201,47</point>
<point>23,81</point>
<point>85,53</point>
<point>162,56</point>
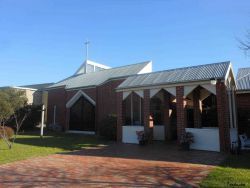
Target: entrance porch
<point>205,109</point>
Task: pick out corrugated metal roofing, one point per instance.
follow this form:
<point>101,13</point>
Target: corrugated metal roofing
<point>187,74</point>
<point>243,79</point>
<point>38,86</point>
<point>97,78</point>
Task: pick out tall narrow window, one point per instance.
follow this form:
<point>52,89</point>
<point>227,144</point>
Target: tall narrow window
<point>156,110</point>
<point>54,115</point>
<point>133,110</point>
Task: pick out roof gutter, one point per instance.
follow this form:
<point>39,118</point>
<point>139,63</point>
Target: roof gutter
<point>242,91</point>
<point>164,85</point>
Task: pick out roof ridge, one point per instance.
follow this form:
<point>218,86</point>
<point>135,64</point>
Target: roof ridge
<point>174,69</point>
<point>248,74</point>
<point>112,68</point>
<point>244,68</point>
<point>239,76</point>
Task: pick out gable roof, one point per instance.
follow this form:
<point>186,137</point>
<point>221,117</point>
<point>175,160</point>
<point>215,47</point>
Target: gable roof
<point>96,78</point>
<point>83,68</point>
<point>243,79</point>
<point>179,75</point>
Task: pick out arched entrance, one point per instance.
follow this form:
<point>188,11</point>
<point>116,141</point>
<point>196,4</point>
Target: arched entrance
<point>82,115</point>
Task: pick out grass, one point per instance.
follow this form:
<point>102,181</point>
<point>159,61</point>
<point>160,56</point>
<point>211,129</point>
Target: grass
<point>31,145</point>
<point>233,172</point>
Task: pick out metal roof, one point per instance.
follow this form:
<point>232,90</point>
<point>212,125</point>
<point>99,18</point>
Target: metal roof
<point>179,75</point>
<point>37,86</point>
<point>243,79</point>
<point>97,78</point>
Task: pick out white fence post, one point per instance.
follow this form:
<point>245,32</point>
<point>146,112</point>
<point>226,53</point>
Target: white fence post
<point>42,120</point>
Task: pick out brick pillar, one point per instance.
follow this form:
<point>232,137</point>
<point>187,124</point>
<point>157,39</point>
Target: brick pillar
<point>180,112</point>
<point>67,119</point>
<point>146,109</point>
<point>223,116</point>
<point>166,116</point>
<point>197,108</point>
<point>119,110</point>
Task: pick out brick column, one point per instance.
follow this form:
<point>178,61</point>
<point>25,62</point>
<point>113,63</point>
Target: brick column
<point>197,108</point>
<point>119,110</point>
<point>223,116</point>
<point>166,116</point>
<point>180,112</point>
<point>146,109</point>
<point>67,119</point>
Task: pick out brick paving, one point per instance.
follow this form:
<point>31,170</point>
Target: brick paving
<point>116,165</point>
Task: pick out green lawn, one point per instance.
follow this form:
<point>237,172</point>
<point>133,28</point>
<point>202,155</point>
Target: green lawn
<point>234,172</point>
<point>31,145</point>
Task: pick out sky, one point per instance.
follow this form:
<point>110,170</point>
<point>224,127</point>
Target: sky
<point>43,40</point>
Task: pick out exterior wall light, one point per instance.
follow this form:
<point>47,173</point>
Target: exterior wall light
<point>213,81</point>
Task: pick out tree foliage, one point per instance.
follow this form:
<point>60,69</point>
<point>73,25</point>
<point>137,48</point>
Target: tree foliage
<point>12,102</point>
<point>6,109</point>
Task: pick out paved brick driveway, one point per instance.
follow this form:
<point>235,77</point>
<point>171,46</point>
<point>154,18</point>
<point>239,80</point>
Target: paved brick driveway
<point>117,165</point>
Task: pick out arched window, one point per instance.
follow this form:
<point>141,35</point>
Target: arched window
<point>133,109</point>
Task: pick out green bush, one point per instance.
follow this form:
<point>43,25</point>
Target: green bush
<point>108,127</point>
<point>8,131</point>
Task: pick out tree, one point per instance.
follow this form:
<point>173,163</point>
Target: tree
<point>5,113</point>
<point>6,109</point>
<point>13,104</point>
<point>245,45</point>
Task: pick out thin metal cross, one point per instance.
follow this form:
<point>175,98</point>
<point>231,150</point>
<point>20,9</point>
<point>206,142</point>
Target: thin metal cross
<point>87,49</point>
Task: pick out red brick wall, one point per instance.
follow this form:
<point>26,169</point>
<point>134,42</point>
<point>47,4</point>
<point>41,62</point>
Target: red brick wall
<point>243,100</point>
<point>180,112</point>
<point>57,97</point>
<point>243,109</point>
<point>104,96</point>
<point>223,116</point>
<point>106,99</point>
<point>146,109</point>
<point>119,109</point>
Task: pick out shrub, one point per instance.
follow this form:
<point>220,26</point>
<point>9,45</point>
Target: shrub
<point>55,127</point>
<point>6,130</point>
<point>187,137</point>
<point>108,127</point>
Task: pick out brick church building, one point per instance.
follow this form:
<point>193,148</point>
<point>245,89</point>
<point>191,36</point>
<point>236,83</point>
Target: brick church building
<point>198,99</point>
